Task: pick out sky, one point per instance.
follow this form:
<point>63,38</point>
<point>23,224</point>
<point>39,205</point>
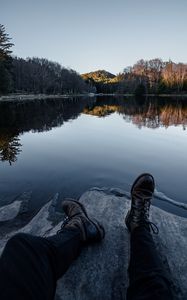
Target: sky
<point>88,35</point>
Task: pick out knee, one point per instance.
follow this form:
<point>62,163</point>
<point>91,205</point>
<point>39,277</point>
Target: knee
<point>16,240</point>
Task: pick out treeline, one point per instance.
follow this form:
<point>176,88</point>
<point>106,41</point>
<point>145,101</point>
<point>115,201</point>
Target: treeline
<point>39,75</point>
<point>36,75</point>
<point>155,76</point>
<point>146,76</point>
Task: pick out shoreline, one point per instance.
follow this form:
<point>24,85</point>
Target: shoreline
<point>23,97</point>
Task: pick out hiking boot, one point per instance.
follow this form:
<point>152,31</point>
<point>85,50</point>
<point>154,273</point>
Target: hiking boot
<point>141,194</point>
<point>77,217</point>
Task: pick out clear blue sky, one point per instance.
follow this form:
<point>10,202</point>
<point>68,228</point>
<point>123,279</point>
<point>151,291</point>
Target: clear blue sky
<point>87,35</point>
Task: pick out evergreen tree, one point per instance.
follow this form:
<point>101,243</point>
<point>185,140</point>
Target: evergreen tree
<point>5,61</point>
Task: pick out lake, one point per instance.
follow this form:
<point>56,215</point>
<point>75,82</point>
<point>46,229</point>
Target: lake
<point>70,145</point>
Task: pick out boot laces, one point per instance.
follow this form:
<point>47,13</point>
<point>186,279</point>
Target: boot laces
<point>65,222</point>
<point>143,209</point>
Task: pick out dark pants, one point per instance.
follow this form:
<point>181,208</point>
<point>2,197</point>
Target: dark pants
<point>30,266</point>
<point>147,277</point>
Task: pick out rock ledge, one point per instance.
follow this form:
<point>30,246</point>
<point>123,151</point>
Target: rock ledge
<point>101,270</point>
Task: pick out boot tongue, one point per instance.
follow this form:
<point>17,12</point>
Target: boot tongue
<point>138,203</point>
<point>142,194</point>
<point>72,216</point>
<point>73,211</point>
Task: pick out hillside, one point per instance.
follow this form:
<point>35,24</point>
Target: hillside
<point>101,76</point>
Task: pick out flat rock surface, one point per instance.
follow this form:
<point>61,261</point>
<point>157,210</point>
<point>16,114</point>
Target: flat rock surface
<point>9,211</point>
<point>100,272</point>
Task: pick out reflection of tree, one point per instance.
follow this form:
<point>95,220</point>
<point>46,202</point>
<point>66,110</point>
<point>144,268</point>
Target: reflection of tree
<point>42,115</point>
<point>9,148</point>
<point>155,116</point>
<point>151,113</point>
<point>173,116</point>
<point>101,111</point>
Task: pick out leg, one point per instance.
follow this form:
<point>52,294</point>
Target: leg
<point>147,278</point>
<point>30,265</point>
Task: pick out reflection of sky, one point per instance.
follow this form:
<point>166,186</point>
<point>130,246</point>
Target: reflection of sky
<point>92,151</point>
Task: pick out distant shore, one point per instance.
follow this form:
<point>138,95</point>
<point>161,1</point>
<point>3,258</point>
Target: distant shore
<point>22,97</point>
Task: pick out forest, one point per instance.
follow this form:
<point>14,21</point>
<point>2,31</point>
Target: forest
<point>35,75</point>
<point>153,76</point>
<point>41,76</point>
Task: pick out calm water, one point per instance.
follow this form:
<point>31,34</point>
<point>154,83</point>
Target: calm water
<point>70,145</point>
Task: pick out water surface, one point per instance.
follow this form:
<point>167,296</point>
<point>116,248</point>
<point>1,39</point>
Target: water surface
<point>70,145</point>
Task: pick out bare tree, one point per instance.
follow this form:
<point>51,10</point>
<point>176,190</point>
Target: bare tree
<point>155,67</point>
<point>180,71</point>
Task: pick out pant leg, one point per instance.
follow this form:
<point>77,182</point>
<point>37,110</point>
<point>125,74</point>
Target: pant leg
<point>30,265</point>
<point>147,278</point>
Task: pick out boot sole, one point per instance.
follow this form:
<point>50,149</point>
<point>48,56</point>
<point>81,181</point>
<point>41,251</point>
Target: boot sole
<point>126,219</point>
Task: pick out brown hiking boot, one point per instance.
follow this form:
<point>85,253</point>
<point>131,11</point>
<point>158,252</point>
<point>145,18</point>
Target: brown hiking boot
<point>141,194</point>
<point>77,217</point>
